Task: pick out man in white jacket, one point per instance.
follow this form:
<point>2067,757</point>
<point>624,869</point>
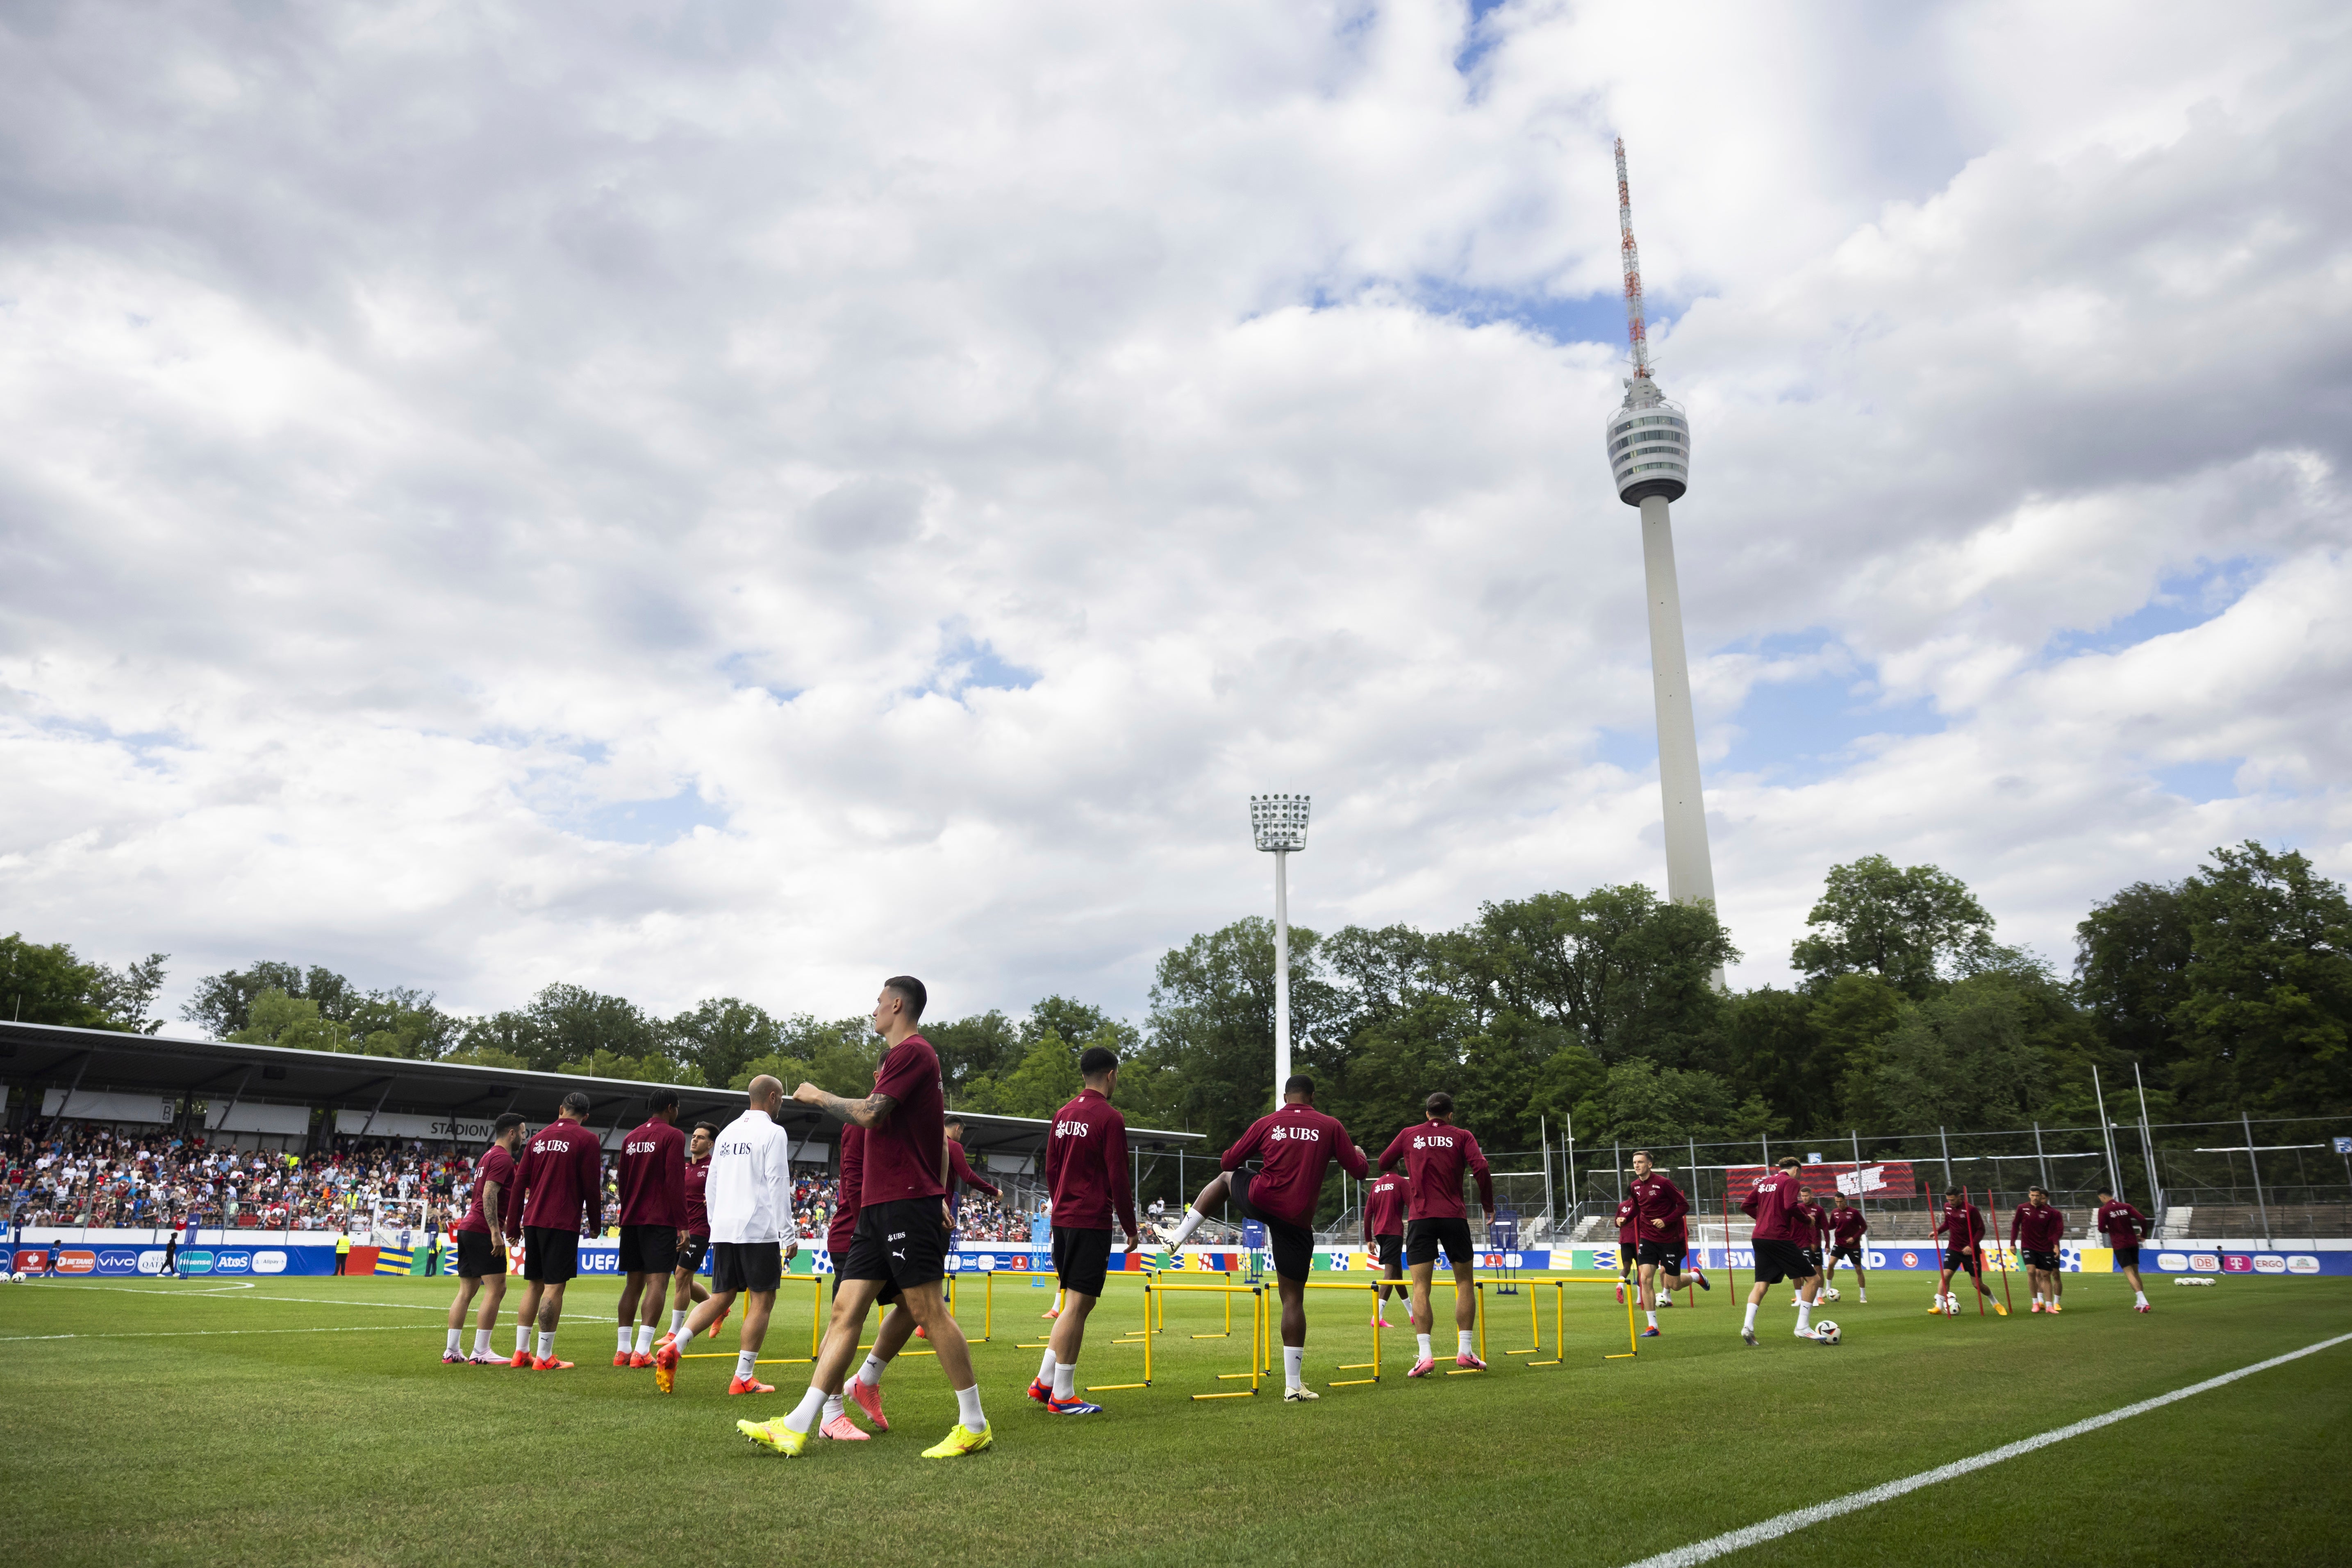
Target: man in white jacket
<point>749,1194</point>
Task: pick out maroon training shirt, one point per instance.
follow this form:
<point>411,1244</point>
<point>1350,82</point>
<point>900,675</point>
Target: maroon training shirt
<point>1293,1147</point>
<point>905,1155</point>
<point>653,1175</point>
<point>697,1216</point>
<point>495,1165</point>
<point>562,1176</point>
<point>842,1227</point>
<point>1086,1166</point>
<point>1629,1222</point>
<point>2036,1228</point>
<point>2121,1223</point>
<point>1846,1226</point>
<point>1809,1223</point>
<point>960,1174</point>
<point>1963,1223</point>
<point>1435,1154</point>
<point>1660,1199</point>
<point>1773,1207</point>
<point>1384,1204</point>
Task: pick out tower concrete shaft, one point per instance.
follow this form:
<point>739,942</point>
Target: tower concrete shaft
<point>1690,871</point>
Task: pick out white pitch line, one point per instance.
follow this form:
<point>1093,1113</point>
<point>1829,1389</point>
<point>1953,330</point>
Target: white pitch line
<point>1804,1518</point>
<point>210,1334</point>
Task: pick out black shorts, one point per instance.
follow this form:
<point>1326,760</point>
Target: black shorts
<point>1847,1255</point>
<point>903,1244</point>
<point>1081,1260</point>
<point>691,1250</point>
<point>1779,1260</point>
<point>889,1293</point>
<point>1961,1260</point>
<point>1423,1237</point>
<point>754,1266</point>
<point>2127,1257</point>
<point>1629,1253</point>
<point>551,1256</point>
<point>1665,1255</point>
<point>1389,1251</point>
<point>478,1253</point>
<point>648,1249</point>
<point>1293,1245</point>
<point>2047,1261</point>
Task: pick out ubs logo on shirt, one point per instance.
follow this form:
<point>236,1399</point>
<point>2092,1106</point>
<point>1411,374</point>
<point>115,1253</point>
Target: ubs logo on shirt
<point>647,1147</point>
<point>1296,1135</point>
<point>1074,1130</point>
<point>1432,1141</point>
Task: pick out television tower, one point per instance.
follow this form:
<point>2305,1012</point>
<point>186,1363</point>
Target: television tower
<point>1649,456</point>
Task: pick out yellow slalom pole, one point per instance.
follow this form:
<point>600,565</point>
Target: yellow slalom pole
<point>816,1314</point>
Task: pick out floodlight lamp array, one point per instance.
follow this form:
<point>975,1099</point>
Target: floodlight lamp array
<point>1279,821</point>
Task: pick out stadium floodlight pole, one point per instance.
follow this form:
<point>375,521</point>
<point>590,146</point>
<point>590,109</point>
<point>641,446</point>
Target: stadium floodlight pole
<point>1278,822</point>
<point>2148,1148</point>
<point>2114,1182</point>
<point>1861,1199</point>
<point>1946,1142</point>
<point>2254,1169</point>
<point>1617,1156</point>
<point>1574,1203</point>
<point>2041,1161</point>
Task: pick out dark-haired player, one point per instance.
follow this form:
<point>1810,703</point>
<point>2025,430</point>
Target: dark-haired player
<point>1086,1174</point>
<point>1773,1207</point>
<point>694,1238</point>
<point>481,1255</point>
<point>1385,1201</point>
<point>1435,1154</point>
<point>1665,1238</point>
<point>560,1180</point>
<point>1847,1227</point>
<point>2035,1230</point>
<point>1962,1224</point>
<point>653,1211</point>
<point>1810,1228</point>
<point>2124,1226</point>
<point>1294,1148</point>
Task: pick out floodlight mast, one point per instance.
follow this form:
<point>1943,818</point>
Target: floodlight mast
<point>1278,822</point>
<point>1648,457</point>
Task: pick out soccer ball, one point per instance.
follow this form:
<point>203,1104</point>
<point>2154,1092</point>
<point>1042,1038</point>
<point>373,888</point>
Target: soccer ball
<point>1826,1332</point>
<point>1830,1294</point>
<point>17,1278</point>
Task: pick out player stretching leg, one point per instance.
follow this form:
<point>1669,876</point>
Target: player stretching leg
<point>1434,1155</point>
<point>560,1179</point>
<point>748,1194</point>
<point>1384,1210</point>
<point>2124,1226</point>
<point>1963,1226</point>
<point>694,1242</point>
<point>1665,1238</point>
<point>1847,1228</point>
<point>902,1228</point>
<point>481,1259</point>
<point>1293,1147</point>
<point>1085,1172</point>
<point>653,1210</point>
<point>1773,1207</point>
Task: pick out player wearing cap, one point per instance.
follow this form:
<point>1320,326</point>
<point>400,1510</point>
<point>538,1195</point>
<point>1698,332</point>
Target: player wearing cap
<point>1772,1205</point>
<point>694,1238</point>
<point>2035,1230</point>
<point>1085,1172</point>
<point>1294,1148</point>
<point>1847,1227</point>
<point>1435,1154</point>
<point>748,1192</point>
<point>2124,1226</point>
<point>1385,1202</point>
<point>559,1181</point>
<point>481,1255</point>
<point>1962,1224</point>
<point>653,1211</point>
<point>1664,1231</point>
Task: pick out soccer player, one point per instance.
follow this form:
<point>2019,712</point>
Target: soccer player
<point>1085,1172</point>
<point>1434,1155</point>
<point>1294,1148</point>
<point>1810,1227</point>
<point>1773,1207</point>
<point>1847,1227</point>
<point>960,1172</point>
<point>694,1244</point>
<point>560,1178</point>
<point>1629,1243</point>
<point>2124,1226</point>
<point>1665,1238</point>
<point>653,1209</point>
<point>902,1228</point>
<point>2035,1230</point>
<point>747,1194</point>
<point>1963,1226</point>
<point>897,1324</point>
<point>1384,1210</point>
<point>481,1256</point>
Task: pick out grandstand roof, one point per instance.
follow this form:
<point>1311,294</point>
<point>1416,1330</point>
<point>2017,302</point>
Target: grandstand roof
<point>101,1061</point>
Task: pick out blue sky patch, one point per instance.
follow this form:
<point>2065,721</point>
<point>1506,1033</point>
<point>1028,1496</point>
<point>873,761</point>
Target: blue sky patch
<point>651,821</point>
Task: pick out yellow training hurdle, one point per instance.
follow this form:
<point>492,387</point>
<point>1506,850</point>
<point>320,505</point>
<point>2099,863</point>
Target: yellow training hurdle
<point>816,1331</point>
<point>1256,1294</point>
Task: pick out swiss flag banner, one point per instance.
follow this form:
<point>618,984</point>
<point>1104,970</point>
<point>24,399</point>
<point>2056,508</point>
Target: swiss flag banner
<point>1870,1179</point>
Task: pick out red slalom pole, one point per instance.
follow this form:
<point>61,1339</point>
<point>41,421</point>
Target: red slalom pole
<point>1975,1246</point>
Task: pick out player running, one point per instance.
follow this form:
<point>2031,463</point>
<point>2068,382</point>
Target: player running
<point>2035,1230</point>
<point>1847,1227</point>
<point>694,1240</point>
<point>1962,1224</point>
<point>2124,1226</point>
<point>902,1228</point>
<point>1434,1155</point>
<point>1294,1148</point>
<point>481,1256</point>
<point>1665,1238</point>
<point>748,1194</point>
<point>1085,1172</point>
<point>560,1179</point>
<point>653,1210</point>
<point>1384,1210</point>
<point>1772,1205</point>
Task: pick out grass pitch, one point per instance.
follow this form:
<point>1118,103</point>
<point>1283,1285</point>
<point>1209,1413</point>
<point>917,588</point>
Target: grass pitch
<point>309,1421</point>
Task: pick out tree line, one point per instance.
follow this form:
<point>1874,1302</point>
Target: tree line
<point>2230,989</point>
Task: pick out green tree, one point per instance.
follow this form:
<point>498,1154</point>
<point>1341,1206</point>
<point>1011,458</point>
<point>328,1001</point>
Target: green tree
<point>2270,1005</point>
<point>720,1034</point>
<point>1641,1103</point>
<point>2132,956</point>
<point>222,1002</point>
<point>986,1045</point>
<point>295,1023</point>
<point>1213,1021</point>
<point>1911,925</point>
<point>50,985</point>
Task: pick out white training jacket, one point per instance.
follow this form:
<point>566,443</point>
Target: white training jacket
<point>749,1192</point>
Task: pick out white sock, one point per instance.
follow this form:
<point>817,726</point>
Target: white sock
<point>2037,1298</point>
<point>1804,1316</point>
<point>1654,1319</point>
<point>1422,1340</point>
<point>547,1345</point>
<point>1046,1368</point>
<point>1464,1341</point>
<point>968,1411</point>
<point>1863,1295</point>
<point>623,1347</point>
<point>832,1408</point>
<point>1066,1382</point>
<point>481,1341</point>
<point>1294,1365</point>
<point>677,1318</point>
<point>1186,1226</point>
<point>2139,1297</point>
<point>523,1338</point>
<point>870,1374</point>
<point>685,1333</point>
<point>453,1341</point>
<point>1751,1316</point>
<point>645,1344</point>
<point>744,1361</point>
<point>803,1415</point>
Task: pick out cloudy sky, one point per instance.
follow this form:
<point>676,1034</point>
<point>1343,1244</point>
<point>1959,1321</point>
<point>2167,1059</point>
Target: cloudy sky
<point>697,499</point>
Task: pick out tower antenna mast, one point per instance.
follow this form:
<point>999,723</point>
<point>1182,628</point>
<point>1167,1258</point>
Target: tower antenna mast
<point>1635,328</point>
